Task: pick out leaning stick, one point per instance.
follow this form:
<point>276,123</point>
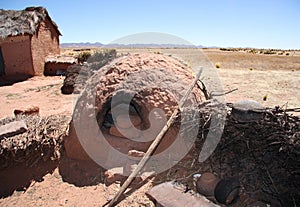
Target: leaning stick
<point>154,143</point>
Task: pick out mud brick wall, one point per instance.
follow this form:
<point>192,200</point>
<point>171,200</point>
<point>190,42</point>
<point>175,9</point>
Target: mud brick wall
<point>16,53</point>
<point>25,54</point>
<point>44,42</point>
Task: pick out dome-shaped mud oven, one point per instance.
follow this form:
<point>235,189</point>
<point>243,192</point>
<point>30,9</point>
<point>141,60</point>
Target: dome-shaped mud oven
<point>125,105</point>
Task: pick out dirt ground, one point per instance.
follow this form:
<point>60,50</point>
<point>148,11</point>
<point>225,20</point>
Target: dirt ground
<point>40,91</point>
<point>255,76</point>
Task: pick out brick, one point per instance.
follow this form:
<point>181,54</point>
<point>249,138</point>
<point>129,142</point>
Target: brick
<point>31,110</point>
<point>136,153</point>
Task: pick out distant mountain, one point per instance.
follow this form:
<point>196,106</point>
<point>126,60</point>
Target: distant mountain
<point>149,46</point>
<point>98,44</point>
<point>80,45</point>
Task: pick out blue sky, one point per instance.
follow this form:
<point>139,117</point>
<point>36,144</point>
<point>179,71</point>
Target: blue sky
<point>224,23</point>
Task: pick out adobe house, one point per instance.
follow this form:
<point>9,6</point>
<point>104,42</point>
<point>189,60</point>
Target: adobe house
<point>26,38</point>
<point>58,65</point>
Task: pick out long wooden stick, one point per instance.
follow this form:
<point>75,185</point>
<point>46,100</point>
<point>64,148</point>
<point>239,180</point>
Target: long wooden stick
<point>154,143</point>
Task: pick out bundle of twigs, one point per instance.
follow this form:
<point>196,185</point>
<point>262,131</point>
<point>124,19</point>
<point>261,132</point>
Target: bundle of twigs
<point>263,155</point>
<point>42,141</point>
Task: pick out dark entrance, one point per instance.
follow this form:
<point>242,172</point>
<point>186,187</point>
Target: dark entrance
<point>1,63</point>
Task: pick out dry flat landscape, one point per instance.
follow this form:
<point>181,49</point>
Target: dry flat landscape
<point>254,75</point>
<point>272,77</point>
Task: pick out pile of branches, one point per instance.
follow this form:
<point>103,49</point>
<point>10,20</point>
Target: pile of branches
<point>42,141</point>
<point>263,155</point>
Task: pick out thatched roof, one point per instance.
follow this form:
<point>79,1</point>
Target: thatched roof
<point>13,23</point>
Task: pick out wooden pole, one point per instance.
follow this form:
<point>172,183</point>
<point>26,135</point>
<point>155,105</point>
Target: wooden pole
<point>154,143</point>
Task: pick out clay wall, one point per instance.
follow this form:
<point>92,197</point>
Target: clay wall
<point>45,42</point>
<point>17,56</point>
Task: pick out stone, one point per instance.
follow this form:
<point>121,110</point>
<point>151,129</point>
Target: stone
<point>113,175</point>
<point>12,129</point>
<point>171,195</point>
<point>247,111</point>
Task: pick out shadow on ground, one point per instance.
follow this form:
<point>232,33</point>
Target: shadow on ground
<point>80,173</point>
<point>19,177</point>
<point>10,80</point>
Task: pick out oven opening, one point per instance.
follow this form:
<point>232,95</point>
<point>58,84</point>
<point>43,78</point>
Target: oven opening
<point>122,120</point>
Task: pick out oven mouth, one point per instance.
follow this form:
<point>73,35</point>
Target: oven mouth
<point>120,110</point>
<point>116,110</point>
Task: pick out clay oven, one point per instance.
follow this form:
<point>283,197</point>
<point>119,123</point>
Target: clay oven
<point>142,88</point>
